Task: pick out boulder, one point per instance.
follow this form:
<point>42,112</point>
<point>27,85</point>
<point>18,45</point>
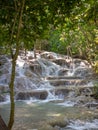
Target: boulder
<point>59,122</point>
<point>61,62</point>
<point>80,62</point>
<point>41,95</point>
<point>30,57</point>
<point>62,92</point>
<point>63,71</point>
<point>47,55</point>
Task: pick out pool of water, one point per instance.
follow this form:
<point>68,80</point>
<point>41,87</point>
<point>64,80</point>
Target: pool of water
<point>33,115</point>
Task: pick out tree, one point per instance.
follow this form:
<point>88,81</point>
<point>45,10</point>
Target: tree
<point>21,24</point>
<point>19,7</point>
<point>14,58</point>
<point>78,32</point>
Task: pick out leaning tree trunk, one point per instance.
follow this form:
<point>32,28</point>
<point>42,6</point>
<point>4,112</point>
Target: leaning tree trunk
<point>14,59</point>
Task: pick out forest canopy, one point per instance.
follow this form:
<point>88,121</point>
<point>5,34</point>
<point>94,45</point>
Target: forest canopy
<point>59,26</point>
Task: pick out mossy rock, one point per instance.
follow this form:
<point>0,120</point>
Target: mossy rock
<point>59,122</point>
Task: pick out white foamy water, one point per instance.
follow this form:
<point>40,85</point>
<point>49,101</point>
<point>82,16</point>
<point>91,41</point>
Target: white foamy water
<point>48,68</point>
<point>67,104</point>
<point>53,96</point>
<point>7,101</point>
<point>20,64</point>
<point>82,125</point>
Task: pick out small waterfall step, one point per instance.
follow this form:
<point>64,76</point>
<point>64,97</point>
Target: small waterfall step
<point>63,77</point>
<point>28,94</point>
<point>58,81</point>
<point>43,94</point>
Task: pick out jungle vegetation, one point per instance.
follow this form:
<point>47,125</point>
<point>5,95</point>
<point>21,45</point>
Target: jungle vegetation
<point>62,26</point>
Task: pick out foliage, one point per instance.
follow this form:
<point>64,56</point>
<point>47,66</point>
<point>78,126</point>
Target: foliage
<point>79,32</point>
<point>54,41</point>
<point>95,66</point>
<point>63,26</point>
<point>38,18</point>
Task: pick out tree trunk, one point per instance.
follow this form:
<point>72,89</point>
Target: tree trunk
<point>3,125</point>
<point>34,53</point>
<point>11,85</point>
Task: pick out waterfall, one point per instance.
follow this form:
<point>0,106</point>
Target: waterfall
<point>57,74</point>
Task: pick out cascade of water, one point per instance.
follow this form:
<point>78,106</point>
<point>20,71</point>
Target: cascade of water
<point>67,104</point>
<point>48,68</point>
<point>19,68</point>
<point>48,71</point>
<point>44,85</point>
<point>51,77</point>
<point>52,96</point>
<point>5,70</point>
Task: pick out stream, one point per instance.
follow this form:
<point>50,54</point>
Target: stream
<point>52,92</point>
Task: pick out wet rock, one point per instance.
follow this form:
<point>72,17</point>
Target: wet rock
<point>92,105</point>
<point>87,91</point>
<point>59,122</point>
<point>80,62</point>
<point>4,88</point>
<point>30,57</point>
<point>50,57</point>
<point>61,62</point>
<point>66,82</point>
<point>82,100</point>
<point>58,82</point>
<point>94,95</point>
<point>63,71</point>
<point>83,72</point>
<point>41,95</point>
<point>2,98</point>
<point>36,68</point>
<point>62,91</point>
<point>47,55</point>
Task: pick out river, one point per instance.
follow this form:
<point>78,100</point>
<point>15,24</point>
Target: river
<point>52,92</point>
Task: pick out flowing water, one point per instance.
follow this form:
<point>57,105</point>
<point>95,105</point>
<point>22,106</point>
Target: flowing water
<point>50,87</point>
